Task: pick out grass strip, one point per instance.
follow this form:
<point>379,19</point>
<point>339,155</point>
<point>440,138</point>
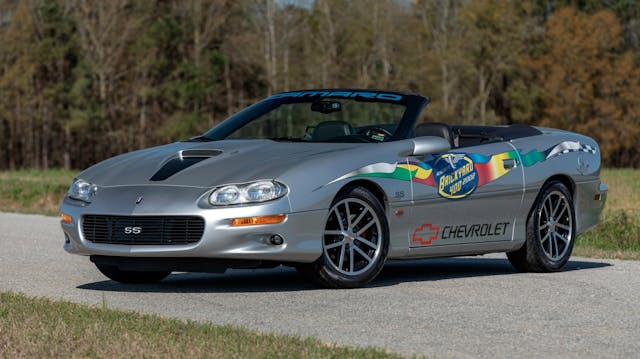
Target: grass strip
<point>618,235</point>
<point>34,191</point>
<point>38,328</point>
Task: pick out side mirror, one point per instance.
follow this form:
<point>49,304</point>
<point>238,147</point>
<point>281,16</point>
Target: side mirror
<point>429,145</point>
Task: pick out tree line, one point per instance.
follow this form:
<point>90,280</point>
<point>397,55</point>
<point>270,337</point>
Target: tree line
<point>84,80</point>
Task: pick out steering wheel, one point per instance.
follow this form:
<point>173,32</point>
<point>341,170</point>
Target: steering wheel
<point>377,133</point>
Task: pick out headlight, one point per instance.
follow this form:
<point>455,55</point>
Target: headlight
<point>82,190</point>
<point>253,192</point>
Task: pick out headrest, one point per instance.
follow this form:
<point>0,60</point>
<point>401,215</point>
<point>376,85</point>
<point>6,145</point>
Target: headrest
<point>331,129</point>
<point>435,129</point>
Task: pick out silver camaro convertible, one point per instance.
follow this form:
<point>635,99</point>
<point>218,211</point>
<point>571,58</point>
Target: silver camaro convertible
<point>335,183</point>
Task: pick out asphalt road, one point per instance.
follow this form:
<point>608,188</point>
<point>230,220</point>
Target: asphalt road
<point>459,307</point>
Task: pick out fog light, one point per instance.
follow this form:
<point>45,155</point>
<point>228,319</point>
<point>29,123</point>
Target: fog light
<point>276,240</point>
<point>65,218</point>
<point>255,221</point>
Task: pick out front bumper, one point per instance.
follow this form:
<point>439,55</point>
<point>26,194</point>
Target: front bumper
<point>302,231</point>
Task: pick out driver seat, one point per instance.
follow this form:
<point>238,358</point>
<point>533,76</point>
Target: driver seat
<point>331,129</point>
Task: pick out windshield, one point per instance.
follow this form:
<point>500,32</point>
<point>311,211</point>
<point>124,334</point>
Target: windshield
<point>317,119</point>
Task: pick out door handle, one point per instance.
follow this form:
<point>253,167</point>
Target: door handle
<point>508,164</point>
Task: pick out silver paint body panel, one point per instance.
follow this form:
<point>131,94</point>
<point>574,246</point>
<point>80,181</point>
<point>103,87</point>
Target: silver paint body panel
<point>314,174</point>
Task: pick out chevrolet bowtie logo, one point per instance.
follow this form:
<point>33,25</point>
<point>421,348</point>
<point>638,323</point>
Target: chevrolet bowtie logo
<point>425,234</point>
<point>582,166</point>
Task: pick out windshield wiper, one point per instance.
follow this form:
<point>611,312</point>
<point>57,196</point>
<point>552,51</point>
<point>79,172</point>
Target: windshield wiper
<point>199,139</point>
<point>287,139</point>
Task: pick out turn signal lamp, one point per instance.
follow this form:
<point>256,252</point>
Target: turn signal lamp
<point>256,221</point>
<point>65,218</point>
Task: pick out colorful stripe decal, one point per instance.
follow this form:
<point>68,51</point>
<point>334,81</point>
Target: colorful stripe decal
<point>457,175</point>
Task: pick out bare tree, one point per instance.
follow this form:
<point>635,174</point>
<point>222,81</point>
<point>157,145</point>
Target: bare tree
<point>439,21</point>
<point>328,43</point>
<point>105,31</point>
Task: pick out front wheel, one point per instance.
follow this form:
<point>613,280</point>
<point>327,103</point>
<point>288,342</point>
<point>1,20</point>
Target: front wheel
<point>355,242</point>
<point>551,232</point>
<point>131,277</point>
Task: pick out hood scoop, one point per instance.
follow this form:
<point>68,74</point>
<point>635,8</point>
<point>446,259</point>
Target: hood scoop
<point>182,160</point>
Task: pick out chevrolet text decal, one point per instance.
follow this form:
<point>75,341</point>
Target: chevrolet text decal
<point>346,94</point>
<point>475,230</point>
<point>428,233</point>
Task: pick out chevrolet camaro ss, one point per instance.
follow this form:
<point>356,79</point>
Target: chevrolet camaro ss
<point>335,183</point>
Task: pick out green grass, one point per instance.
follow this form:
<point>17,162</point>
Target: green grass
<point>42,328</point>
<point>34,191</point>
<point>618,235</point>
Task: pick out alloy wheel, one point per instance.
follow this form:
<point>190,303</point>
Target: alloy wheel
<point>555,225</point>
<point>352,237</point>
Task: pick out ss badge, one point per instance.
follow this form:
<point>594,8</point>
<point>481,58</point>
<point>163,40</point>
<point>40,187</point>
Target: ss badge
<point>399,194</point>
<point>132,230</point>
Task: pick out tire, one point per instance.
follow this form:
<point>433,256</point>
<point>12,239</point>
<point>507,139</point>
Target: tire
<point>131,277</point>
<point>355,242</point>
<point>550,236</point>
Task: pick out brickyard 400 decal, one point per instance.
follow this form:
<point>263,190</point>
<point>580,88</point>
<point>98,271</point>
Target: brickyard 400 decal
<point>458,175</point>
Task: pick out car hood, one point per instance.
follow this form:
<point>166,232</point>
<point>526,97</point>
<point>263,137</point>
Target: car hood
<point>228,161</point>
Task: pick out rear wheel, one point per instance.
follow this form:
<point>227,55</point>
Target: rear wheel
<point>550,232</point>
<point>131,277</point>
<point>354,244</point>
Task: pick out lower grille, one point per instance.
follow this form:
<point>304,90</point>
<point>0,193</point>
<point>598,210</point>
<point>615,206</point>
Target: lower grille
<point>133,230</point>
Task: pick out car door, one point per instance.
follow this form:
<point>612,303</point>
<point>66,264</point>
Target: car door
<point>467,195</point>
